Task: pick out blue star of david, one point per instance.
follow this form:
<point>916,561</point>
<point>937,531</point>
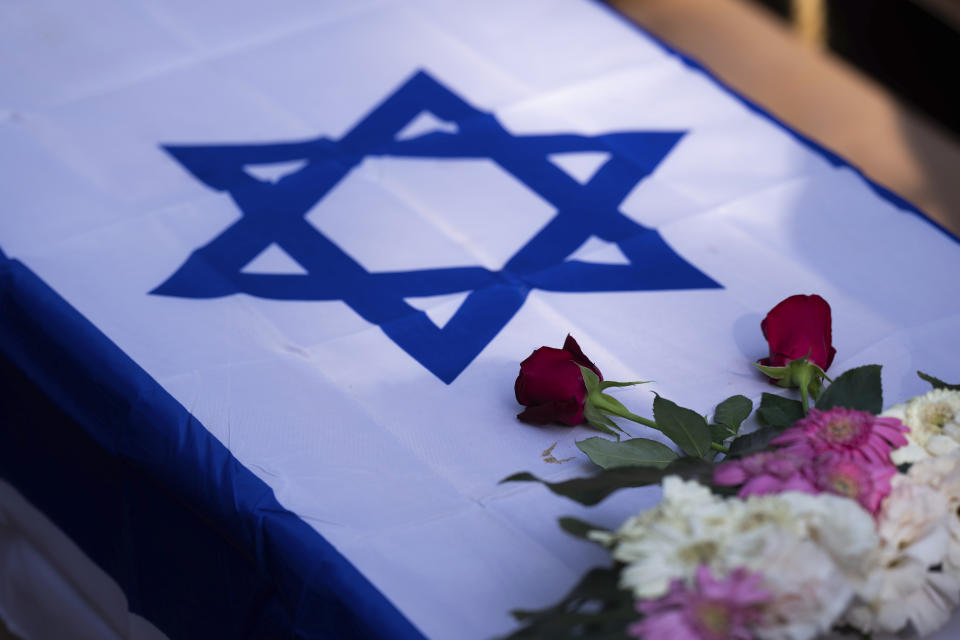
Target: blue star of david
<point>274,213</point>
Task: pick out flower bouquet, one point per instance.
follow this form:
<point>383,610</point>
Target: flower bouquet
<point>833,519</point>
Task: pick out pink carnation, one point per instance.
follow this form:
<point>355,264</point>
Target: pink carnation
<point>766,472</point>
<point>710,609</point>
<point>866,482</point>
<point>851,434</point>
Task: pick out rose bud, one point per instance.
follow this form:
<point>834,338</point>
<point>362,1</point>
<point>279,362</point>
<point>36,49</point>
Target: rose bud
<point>798,333</point>
<point>551,385</point>
<point>797,327</point>
<point>563,385</point>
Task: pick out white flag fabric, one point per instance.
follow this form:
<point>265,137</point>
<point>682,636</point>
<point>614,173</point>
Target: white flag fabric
<point>274,265</point>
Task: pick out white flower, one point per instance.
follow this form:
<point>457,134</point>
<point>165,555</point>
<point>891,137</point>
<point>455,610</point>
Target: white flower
<point>913,523</point>
<point>848,535</point>
<point>912,451</point>
<point>810,549</point>
<point>670,540</point>
<point>809,590</point>
<point>900,588</point>
<point>937,412</point>
<point>942,474</point>
<point>898,411</point>
<point>915,583</point>
<point>934,421</point>
<point>903,594</point>
<point>804,545</point>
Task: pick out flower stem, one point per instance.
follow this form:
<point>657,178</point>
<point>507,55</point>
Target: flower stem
<point>644,421</point>
<point>803,381</point>
<point>719,447</point>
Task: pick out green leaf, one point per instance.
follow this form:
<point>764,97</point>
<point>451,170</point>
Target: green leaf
<point>595,583</point>
<point>606,384</point>
<point>685,427</point>
<point>635,452</point>
<point>778,411</point>
<point>595,609</point>
<point>858,388</point>
<point>754,442</point>
<point>594,489</point>
<point>579,528</point>
<point>719,433</point>
<point>590,379</point>
<point>732,412</point>
<point>937,382</point>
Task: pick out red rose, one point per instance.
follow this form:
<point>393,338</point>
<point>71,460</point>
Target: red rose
<point>799,326</point>
<point>551,386</point>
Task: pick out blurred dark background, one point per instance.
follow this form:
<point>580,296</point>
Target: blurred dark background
<point>910,46</point>
<point>873,80</point>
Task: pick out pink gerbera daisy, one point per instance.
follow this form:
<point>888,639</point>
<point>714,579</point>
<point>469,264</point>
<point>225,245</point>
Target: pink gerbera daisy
<point>776,471</point>
<point>709,609</point>
<point>866,482</point>
<point>851,434</point>
<point>765,472</point>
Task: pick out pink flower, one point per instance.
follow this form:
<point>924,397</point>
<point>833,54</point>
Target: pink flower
<point>866,482</point>
<point>768,472</point>
<point>710,609</point>
<point>765,472</point>
<point>854,435</point>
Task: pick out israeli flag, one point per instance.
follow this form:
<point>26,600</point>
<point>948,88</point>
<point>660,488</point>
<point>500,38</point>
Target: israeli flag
<point>268,270</point>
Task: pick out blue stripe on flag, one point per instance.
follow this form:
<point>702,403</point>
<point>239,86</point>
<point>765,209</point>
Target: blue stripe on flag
<point>200,545</point>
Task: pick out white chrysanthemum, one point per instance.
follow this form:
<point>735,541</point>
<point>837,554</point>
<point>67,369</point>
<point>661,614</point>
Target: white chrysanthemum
<point>848,534</point>
<point>802,544</point>
<point>935,413</point>
<point>670,540</point>
<point>809,590</point>
<point>934,421</point>
<point>909,453</point>
<point>913,450</point>
<point>942,474</point>
<point>913,523</point>
<point>915,580</point>
<point>810,548</point>
<point>898,411</point>
<point>903,596</point>
<point>901,589</point>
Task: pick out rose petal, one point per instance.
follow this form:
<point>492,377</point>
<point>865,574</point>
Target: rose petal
<point>551,384</point>
<point>569,412</point>
<point>570,345</point>
<point>796,327</point>
<point>548,375</point>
